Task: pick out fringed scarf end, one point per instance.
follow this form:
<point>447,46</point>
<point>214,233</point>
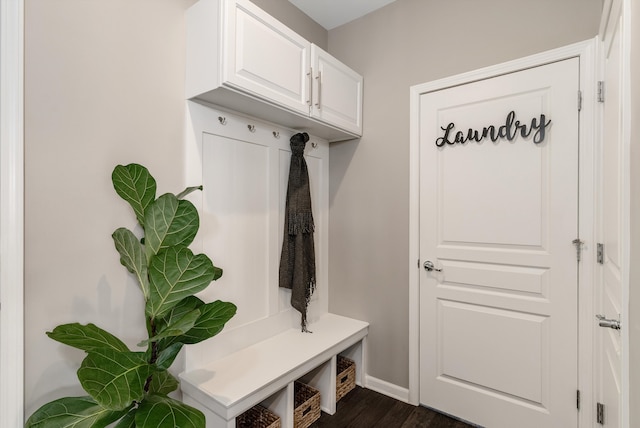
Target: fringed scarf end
<point>300,223</point>
<point>303,320</point>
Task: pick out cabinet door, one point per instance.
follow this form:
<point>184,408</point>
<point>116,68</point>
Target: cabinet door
<point>337,92</point>
<point>265,58</point>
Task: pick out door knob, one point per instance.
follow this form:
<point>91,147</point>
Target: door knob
<point>428,266</point>
<point>605,322</point>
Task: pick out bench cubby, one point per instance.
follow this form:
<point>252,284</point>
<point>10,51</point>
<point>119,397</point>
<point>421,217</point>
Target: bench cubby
<point>265,372</point>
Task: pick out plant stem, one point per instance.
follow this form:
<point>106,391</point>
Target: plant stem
<point>154,352</point>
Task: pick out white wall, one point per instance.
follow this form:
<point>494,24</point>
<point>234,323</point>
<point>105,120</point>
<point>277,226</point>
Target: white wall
<point>103,86</point>
<point>406,43</point>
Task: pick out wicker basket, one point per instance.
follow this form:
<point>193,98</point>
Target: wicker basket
<point>307,405</point>
<point>346,379</point>
<point>258,417</point>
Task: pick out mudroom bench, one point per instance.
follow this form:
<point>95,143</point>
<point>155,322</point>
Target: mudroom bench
<point>265,372</point>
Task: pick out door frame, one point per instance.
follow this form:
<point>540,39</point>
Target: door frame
<point>12,212</point>
<point>586,52</point>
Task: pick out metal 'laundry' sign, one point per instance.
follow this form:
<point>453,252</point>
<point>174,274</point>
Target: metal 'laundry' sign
<point>509,131</point>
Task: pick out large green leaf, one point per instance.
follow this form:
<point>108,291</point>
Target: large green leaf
<point>174,274</point>
<point>86,337</point>
<point>132,257</point>
<point>170,222</point>
<point>135,185</point>
<point>186,305</point>
<point>158,411</point>
<point>114,379</point>
<point>213,317</point>
<point>167,355</point>
<point>163,383</point>
<point>129,420</point>
<point>176,328</point>
<point>188,190</point>
<point>73,412</point>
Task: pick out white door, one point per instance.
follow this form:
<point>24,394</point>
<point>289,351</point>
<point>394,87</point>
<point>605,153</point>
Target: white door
<point>608,343</point>
<point>337,92</point>
<point>498,322</point>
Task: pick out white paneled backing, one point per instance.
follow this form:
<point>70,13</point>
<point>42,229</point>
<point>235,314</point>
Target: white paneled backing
<point>235,220</point>
<point>243,165</point>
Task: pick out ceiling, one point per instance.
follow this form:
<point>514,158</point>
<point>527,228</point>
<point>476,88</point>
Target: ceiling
<point>333,13</point>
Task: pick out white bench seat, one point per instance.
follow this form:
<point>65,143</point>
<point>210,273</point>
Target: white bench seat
<point>261,372</point>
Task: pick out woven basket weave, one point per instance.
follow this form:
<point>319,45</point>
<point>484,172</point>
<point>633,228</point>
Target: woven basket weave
<point>346,379</point>
<point>258,417</point>
<point>307,405</point>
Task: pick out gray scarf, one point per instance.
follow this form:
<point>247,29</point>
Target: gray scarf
<point>297,262</point>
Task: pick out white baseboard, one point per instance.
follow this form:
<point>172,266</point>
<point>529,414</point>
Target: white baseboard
<point>386,388</point>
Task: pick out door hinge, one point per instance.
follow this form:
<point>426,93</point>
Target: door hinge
<point>600,413</point>
<point>600,91</point>
<point>600,253</point>
<point>578,243</point>
<point>578,399</point>
<point>579,100</point>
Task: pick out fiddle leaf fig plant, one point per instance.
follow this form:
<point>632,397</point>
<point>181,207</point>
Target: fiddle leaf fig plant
<point>129,388</point>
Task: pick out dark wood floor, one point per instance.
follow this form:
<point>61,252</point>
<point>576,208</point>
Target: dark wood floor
<point>364,408</point>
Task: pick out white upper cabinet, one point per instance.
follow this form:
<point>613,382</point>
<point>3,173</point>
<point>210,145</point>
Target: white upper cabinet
<point>240,57</point>
<point>337,92</point>
<point>266,58</point>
